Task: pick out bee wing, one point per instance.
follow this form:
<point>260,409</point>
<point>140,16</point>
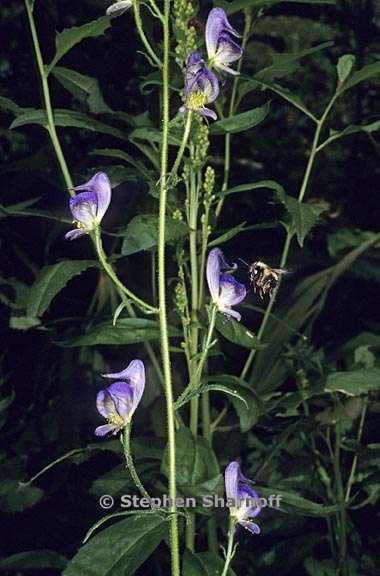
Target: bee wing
<point>281,271</point>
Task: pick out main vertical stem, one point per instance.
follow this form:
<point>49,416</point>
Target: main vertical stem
<point>174,545</point>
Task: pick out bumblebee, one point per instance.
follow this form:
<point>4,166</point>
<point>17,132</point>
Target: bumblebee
<point>263,278</point>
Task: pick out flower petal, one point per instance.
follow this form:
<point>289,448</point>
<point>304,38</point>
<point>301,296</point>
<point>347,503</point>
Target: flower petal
<point>134,373</point>
<point>103,430</point>
<point>251,526</point>
<point>207,113</point>
<point>74,234</point>
<point>84,208</point>
<point>231,478</point>
<point>231,292</point>
<point>105,404</point>
<point>213,272</point>
<point>228,50</point>
<point>118,8</point>
<point>217,23</point>
<point>122,396</point>
<point>102,189</point>
<point>229,312</point>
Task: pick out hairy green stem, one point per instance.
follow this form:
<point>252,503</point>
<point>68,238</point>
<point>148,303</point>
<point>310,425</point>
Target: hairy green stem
<point>230,548</point>
<point>290,232</point>
<point>181,150</point>
<point>129,461</point>
<point>47,102</point>
<point>143,38</point>
<point>342,515</point>
<point>174,543</point>
<point>111,273</point>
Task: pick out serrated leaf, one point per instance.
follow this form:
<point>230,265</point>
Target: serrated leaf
<point>237,333</point>
<point>241,122</point>
<point>344,66</point>
<point>126,331</point>
<point>121,548</point>
<point>69,37</point>
<point>304,216</point>
<point>51,280</point>
<point>142,233</point>
<point>354,382</point>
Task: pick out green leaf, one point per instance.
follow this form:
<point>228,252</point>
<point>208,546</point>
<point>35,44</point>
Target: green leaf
<point>69,37</point>
<point>51,280</point>
<point>344,66</point>
<point>335,135</point>
<point>230,388</point>
<point>196,461</point>
<point>304,216</point>
<point>67,119</point>
<point>142,233</point>
<point>365,73</point>
<point>121,548</point>
<point>271,184</point>
<point>289,96</point>
<point>126,331</point>
<point>125,157</point>
<point>345,239</point>
<point>249,411</point>
<point>23,322</point>
<point>241,122</point>
<point>227,235</point>
<point>33,560</point>
<point>293,503</point>
<point>203,564</point>
<point>355,382</point>
<point>84,88</point>
<point>237,333</point>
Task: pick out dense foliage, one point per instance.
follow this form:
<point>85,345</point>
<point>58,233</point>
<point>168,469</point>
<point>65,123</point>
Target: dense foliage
<point>285,175</point>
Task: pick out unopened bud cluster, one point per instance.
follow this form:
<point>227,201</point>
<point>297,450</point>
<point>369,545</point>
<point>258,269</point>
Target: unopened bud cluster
<point>184,11</point>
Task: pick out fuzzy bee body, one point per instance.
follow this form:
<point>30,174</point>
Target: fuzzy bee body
<point>263,278</point>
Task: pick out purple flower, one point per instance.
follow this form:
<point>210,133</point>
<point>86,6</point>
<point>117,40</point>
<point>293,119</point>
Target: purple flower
<point>242,500</point>
<point>89,207</point>
<point>201,86</point>
<point>224,289</point>
<point>118,402</point>
<point>221,49</point>
<point>118,8</point>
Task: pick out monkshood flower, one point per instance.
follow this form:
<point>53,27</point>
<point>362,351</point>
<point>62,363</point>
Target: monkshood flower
<point>242,499</point>
<point>201,86</point>
<point>224,289</point>
<point>89,207</point>
<point>118,402</point>
<point>118,8</point>
<point>221,48</point>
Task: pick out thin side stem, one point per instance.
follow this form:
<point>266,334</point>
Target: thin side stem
<point>144,39</point>
<point>111,273</point>
<point>129,461</point>
<point>342,517</point>
<point>181,150</point>
<point>47,102</point>
<point>230,548</point>
<point>174,543</point>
